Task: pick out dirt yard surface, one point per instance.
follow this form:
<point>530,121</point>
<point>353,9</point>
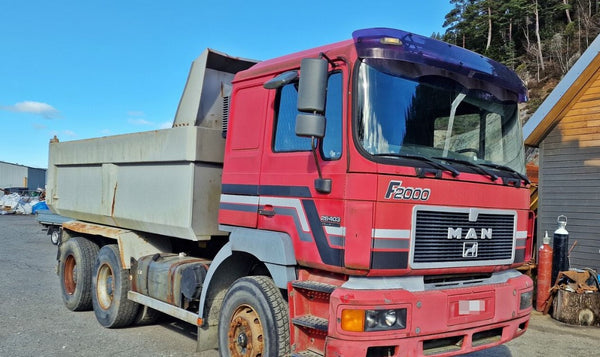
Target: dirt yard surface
<point>34,322</point>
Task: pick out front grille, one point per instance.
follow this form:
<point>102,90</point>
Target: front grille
<point>433,248</point>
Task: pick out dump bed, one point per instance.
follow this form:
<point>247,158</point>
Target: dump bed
<point>166,181</point>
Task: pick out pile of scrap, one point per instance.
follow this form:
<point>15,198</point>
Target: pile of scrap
<point>575,299</point>
<point>11,203</point>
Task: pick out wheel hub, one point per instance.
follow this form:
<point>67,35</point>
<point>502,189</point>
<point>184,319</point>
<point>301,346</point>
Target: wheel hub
<point>109,285</point>
<point>105,286</point>
<point>245,333</point>
<point>242,340</point>
<point>70,275</point>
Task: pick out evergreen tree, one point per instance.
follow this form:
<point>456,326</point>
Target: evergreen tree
<point>540,39</point>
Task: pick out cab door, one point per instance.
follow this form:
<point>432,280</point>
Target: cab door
<point>288,201</point>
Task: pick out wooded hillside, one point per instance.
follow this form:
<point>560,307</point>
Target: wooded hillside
<point>539,39</point>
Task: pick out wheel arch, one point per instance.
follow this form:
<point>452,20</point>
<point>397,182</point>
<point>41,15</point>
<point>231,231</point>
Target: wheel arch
<point>248,252</point>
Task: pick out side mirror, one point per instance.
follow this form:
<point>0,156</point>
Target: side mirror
<point>313,85</point>
<point>310,125</point>
<point>310,121</point>
<point>312,91</point>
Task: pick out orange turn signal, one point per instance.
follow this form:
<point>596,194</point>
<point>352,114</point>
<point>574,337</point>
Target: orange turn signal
<point>353,320</point>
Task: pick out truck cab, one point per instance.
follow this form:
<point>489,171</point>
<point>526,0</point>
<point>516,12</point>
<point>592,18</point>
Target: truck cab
<point>412,202</point>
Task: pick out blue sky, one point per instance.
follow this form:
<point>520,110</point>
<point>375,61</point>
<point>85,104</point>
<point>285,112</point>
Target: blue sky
<point>82,69</point>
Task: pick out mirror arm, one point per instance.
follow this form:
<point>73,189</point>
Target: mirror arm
<point>321,185</point>
<point>314,151</point>
<point>329,60</point>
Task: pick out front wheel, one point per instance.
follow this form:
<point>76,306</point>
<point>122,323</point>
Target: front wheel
<point>110,286</point>
<point>254,319</point>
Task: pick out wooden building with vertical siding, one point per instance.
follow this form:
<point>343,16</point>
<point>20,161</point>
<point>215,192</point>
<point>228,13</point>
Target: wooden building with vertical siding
<point>566,128</point>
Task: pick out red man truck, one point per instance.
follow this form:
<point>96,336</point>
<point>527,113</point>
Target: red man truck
<point>364,198</point>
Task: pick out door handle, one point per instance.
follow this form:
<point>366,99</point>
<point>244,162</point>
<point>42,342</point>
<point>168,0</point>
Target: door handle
<point>267,210</point>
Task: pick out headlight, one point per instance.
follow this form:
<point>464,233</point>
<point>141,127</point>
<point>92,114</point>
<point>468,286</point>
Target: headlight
<point>373,320</point>
<point>370,319</point>
<point>390,318</point>
<point>526,300</point>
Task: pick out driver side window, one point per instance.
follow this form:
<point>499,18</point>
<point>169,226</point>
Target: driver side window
<point>285,125</point>
<point>285,139</point>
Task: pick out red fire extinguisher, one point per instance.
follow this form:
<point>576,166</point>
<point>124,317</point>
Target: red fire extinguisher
<point>544,271</point>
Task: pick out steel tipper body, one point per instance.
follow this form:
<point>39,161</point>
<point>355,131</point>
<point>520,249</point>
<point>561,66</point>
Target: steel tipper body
<point>364,198</point>
<point>412,250</point>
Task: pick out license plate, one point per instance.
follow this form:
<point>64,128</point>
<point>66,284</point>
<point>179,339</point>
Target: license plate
<point>468,307</point>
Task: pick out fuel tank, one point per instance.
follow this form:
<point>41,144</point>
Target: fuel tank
<point>172,278</point>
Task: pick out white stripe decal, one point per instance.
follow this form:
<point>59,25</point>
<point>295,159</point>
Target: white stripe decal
<point>292,203</point>
<point>337,231</point>
<point>521,234</point>
<point>244,200</point>
<point>391,233</point>
<point>289,203</point>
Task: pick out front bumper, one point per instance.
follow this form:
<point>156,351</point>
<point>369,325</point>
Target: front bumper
<point>444,322</point>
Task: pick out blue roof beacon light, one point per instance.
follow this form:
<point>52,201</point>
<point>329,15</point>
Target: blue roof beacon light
<point>386,43</point>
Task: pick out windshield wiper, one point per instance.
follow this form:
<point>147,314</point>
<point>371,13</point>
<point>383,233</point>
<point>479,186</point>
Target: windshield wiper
<point>477,167</point>
<point>430,161</point>
<point>506,168</point>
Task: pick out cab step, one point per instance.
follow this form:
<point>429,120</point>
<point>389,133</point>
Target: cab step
<point>308,300</point>
<point>314,286</point>
<point>311,322</point>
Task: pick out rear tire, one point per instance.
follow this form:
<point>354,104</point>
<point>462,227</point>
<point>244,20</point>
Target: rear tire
<point>110,286</point>
<point>147,316</point>
<point>254,319</point>
<point>75,269</point>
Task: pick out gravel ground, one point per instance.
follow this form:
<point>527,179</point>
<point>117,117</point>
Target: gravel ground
<point>34,322</point>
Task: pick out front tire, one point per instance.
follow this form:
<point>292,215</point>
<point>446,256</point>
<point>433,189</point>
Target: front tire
<point>110,286</point>
<point>254,319</point>
<point>75,269</point>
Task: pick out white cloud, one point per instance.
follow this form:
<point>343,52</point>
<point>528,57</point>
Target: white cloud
<point>45,110</point>
<point>138,118</point>
<point>38,126</point>
<point>165,125</point>
<point>135,113</point>
<point>140,121</point>
<point>63,133</point>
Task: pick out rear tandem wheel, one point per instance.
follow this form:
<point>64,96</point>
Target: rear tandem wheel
<point>110,286</point>
<point>75,269</point>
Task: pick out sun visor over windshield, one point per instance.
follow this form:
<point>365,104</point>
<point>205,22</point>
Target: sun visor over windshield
<point>385,43</point>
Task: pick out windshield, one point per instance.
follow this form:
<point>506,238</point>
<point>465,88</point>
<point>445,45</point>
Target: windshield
<point>435,116</point>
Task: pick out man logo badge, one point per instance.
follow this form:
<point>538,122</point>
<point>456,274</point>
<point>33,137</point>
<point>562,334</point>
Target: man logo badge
<point>470,249</point>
